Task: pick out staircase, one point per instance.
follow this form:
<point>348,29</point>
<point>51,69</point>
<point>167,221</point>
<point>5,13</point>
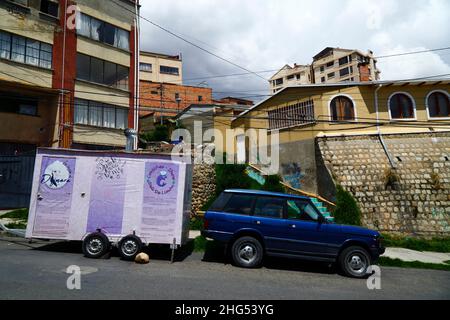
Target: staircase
<point>323,209</point>
<point>257,174</point>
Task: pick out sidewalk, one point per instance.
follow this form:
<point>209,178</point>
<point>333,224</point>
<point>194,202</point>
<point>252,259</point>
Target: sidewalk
<point>412,255</point>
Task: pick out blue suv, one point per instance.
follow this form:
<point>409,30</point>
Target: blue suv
<point>254,223</point>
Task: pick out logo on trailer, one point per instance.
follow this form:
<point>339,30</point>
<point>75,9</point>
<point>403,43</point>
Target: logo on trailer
<point>161,179</point>
<point>56,175</point>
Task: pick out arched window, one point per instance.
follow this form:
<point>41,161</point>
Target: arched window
<point>401,106</point>
<point>342,108</point>
<point>438,104</point>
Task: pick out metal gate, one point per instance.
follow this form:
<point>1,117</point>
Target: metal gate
<point>16,177</point>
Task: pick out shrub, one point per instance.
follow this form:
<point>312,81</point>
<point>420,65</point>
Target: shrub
<point>347,210</point>
<point>232,176</point>
<point>21,214</point>
<point>161,133</point>
<point>273,184</point>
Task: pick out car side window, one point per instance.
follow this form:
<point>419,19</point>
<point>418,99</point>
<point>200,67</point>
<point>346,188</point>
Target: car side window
<point>301,210</point>
<point>239,204</point>
<point>220,202</point>
<point>269,207</point>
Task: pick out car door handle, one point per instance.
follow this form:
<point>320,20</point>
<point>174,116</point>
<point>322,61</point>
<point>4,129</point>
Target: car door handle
<point>39,197</point>
<point>293,226</point>
<point>258,222</point>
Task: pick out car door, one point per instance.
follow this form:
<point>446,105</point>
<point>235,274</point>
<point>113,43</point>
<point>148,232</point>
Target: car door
<point>268,220</point>
<point>306,232</point>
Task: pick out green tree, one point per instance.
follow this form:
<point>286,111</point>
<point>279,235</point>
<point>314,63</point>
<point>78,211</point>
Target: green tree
<point>347,210</point>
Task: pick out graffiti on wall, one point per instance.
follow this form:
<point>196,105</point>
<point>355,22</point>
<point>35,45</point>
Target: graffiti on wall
<point>292,174</point>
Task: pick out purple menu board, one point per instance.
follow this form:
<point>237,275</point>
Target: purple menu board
<point>54,197</point>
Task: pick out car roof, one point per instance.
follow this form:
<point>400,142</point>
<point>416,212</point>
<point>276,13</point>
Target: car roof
<point>265,193</point>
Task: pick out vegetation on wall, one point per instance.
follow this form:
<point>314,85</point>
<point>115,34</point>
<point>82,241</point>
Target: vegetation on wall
<point>391,179</point>
<point>347,210</point>
<point>160,133</point>
<point>233,176</point>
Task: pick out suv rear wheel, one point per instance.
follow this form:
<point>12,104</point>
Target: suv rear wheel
<point>247,252</point>
<point>354,261</point>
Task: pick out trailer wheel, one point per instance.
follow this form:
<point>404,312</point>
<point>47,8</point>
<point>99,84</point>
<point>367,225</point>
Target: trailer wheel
<point>95,245</point>
<point>129,247</point>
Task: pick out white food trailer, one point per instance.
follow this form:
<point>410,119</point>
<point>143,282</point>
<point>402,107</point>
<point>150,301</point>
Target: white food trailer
<point>106,198</point>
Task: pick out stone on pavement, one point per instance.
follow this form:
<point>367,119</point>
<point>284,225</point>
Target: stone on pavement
<point>142,258</point>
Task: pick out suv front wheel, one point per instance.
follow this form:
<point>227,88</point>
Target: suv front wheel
<point>354,261</point>
<point>247,252</point>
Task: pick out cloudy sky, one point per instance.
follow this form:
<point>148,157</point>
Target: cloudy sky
<point>263,35</point>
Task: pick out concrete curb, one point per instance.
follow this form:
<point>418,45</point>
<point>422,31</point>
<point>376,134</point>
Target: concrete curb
<point>413,255</point>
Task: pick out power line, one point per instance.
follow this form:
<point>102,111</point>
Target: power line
<point>410,53</point>
<point>191,43</point>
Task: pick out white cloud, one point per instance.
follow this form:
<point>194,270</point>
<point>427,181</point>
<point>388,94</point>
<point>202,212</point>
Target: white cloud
<point>266,34</point>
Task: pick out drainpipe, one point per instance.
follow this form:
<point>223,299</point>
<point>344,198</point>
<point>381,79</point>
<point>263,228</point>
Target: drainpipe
<point>386,151</point>
<point>136,67</point>
<point>61,91</point>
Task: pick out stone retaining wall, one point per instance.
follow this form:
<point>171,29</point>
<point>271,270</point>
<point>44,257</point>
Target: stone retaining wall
<point>203,185</point>
<point>414,198</point>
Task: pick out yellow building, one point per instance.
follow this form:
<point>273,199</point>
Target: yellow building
<point>300,114</point>
<point>157,67</point>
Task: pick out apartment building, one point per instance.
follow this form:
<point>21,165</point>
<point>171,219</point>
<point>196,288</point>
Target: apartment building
<point>158,67</point>
<point>162,93</point>
<point>68,73</point>
<point>288,76</point>
<point>331,65</point>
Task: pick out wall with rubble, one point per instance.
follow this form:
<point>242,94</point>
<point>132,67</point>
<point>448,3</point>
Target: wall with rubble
<point>413,198</point>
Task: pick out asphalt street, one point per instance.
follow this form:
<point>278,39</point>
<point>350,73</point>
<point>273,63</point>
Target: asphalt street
<point>38,271</point>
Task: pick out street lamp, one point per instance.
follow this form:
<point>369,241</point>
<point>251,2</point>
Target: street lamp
<point>178,100</point>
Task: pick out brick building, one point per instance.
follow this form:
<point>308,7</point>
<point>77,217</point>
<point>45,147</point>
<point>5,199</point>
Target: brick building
<point>162,93</point>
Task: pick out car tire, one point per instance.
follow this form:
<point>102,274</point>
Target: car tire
<point>129,247</point>
<point>95,245</point>
<point>354,261</point>
<point>247,252</point>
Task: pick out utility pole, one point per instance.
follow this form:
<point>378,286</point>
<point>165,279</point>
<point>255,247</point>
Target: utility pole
<point>161,90</point>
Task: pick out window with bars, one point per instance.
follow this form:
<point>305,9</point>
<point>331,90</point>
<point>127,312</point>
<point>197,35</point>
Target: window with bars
<point>100,114</point>
<point>25,50</point>
<point>101,71</point>
<point>296,114</point>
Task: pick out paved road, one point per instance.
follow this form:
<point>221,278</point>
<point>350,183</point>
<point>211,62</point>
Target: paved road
<point>38,272</point>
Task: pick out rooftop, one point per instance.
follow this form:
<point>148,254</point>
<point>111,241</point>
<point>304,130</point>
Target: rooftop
<point>386,83</point>
<point>161,55</point>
